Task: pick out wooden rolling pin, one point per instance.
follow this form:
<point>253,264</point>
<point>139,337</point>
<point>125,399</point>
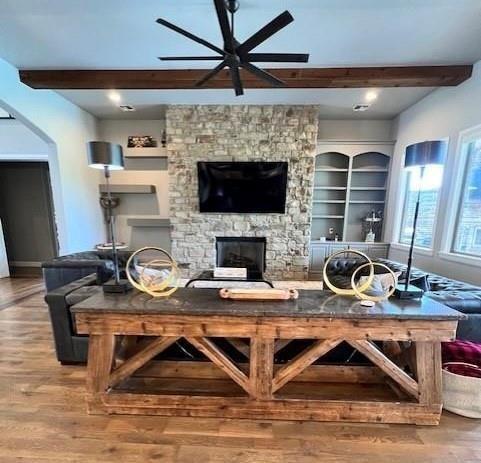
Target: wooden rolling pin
<point>258,294</point>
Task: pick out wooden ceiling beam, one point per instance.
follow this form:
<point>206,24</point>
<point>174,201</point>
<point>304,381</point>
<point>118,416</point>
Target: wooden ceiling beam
<point>169,79</point>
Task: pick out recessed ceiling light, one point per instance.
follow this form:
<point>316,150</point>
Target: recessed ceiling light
<point>114,96</point>
<point>360,107</point>
<point>371,95</point>
<point>126,108</point>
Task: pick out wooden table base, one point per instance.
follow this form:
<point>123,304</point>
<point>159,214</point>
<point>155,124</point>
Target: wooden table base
<point>297,390</point>
<point>401,339</point>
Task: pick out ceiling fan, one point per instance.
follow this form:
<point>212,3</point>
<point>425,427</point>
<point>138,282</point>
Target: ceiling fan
<point>235,55</point>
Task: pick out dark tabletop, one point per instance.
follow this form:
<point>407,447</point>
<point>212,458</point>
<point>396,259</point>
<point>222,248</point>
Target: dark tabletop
<point>311,303</point>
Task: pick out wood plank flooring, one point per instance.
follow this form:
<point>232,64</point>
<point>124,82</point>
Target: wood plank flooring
<point>43,419</point>
<point>15,289</point>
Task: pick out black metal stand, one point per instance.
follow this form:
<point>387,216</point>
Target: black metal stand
<point>115,285</point>
<point>405,290</point>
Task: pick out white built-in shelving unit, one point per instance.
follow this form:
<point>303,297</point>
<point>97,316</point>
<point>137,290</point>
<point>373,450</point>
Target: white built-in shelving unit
<point>350,181</point>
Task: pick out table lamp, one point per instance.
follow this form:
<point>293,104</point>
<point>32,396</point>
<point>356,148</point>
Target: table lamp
<point>420,155</point>
<point>107,156</point>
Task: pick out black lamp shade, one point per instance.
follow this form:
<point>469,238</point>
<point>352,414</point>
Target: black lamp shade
<point>102,154</point>
<point>425,153</point>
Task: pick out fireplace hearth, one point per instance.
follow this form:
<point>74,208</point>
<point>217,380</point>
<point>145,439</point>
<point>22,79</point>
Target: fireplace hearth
<point>242,252</point>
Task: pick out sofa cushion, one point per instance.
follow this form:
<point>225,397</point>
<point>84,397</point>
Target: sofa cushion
<point>343,266</point>
<point>468,302</point>
<point>81,294</point>
<point>340,281</point>
<point>398,267</point>
<point>440,283</point>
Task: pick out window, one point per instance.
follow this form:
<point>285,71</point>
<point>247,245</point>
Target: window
<point>428,188</point>
<point>467,236</point>
<point>477,237</point>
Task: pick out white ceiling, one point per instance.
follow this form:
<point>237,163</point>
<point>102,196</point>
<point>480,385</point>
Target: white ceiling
<point>93,34</point>
<point>334,103</point>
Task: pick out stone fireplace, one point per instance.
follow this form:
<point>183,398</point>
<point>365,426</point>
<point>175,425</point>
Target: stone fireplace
<point>235,251</point>
<point>242,133</point>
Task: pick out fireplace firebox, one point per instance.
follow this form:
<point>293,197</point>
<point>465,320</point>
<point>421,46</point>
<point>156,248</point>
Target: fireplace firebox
<point>231,251</point>
<point>242,252</point>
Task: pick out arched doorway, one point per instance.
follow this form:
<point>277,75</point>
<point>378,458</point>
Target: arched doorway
<point>27,209</point>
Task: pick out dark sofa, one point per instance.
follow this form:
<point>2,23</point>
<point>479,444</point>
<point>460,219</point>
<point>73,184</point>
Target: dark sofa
<point>71,279</point>
<point>464,297</point>
<point>65,269</point>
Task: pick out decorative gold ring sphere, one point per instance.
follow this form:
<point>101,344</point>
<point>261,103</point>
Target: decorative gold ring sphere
<point>355,290</point>
<point>361,295</point>
<point>343,291</point>
<point>155,285</point>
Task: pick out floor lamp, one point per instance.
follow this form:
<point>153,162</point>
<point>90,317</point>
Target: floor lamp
<point>426,153</point>
<point>107,156</point>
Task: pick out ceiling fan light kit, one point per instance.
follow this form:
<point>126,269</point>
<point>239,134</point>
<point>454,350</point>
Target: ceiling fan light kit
<point>235,55</point>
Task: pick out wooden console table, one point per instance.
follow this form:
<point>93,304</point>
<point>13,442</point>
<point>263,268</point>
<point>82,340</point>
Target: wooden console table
<point>403,386</point>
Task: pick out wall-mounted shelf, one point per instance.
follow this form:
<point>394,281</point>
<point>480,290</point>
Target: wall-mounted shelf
<point>128,189</point>
<point>368,188</point>
<point>330,169</point>
<point>148,222</point>
<point>329,188</point>
<point>158,152</point>
<point>328,201</point>
<point>366,202</point>
<point>370,170</point>
<point>327,216</point>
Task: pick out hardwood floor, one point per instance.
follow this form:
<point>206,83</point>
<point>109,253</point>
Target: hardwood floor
<point>15,289</point>
<point>43,419</point>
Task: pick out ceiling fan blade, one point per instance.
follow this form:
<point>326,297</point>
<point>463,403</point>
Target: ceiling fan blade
<point>265,32</point>
<point>236,80</point>
<point>224,24</point>
<point>187,34</point>
<point>190,58</point>
<point>277,57</point>
<point>211,74</point>
<point>263,75</point>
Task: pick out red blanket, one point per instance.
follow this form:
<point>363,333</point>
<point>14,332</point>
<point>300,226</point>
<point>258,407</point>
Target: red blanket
<point>465,352</point>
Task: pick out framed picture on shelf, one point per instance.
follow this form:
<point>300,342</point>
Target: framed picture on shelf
<point>141,141</point>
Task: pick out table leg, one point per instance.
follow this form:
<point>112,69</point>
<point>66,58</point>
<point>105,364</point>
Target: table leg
<point>261,367</point>
<point>99,366</point>
<point>429,374</point>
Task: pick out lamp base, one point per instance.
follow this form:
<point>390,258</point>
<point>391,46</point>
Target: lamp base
<point>411,292</point>
<point>120,287</point>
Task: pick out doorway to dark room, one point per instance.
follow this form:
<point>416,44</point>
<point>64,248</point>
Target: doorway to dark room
<point>27,216</point>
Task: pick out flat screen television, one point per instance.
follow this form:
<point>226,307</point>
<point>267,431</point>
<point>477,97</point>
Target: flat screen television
<point>242,187</point>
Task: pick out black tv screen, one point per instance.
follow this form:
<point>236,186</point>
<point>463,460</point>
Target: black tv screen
<point>257,187</point>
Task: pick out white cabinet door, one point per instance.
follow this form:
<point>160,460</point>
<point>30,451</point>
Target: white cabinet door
<point>4,272</point>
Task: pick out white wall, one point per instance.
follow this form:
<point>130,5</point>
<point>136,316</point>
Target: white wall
<point>66,129</point>
<point>441,114</point>
<point>17,139</point>
<point>355,130</point>
<point>4,270</point>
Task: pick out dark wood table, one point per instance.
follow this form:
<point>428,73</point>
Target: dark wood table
<point>403,385</point>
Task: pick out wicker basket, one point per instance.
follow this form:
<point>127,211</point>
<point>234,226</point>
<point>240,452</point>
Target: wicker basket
<point>462,394</point>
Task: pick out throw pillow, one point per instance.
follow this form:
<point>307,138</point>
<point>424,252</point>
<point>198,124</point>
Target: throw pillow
<point>380,284</point>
